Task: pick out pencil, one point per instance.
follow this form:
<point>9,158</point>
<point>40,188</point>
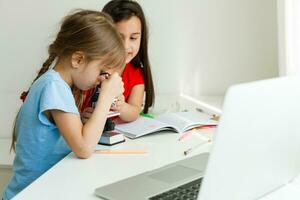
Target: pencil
<point>120,151</point>
<point>186,152</point>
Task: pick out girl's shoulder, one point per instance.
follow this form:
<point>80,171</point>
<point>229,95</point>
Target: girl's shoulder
<point>49,77</point>
<point>49,84</point>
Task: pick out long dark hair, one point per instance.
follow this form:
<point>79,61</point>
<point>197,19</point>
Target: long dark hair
<point>90,32</point>
<point>122,10</point>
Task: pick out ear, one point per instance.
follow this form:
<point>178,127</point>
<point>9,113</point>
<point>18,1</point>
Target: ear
<point>77,59</point>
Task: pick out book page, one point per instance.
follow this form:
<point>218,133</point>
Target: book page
<point>173,119</point>
<point>184,121</point>
<point>142,126</point>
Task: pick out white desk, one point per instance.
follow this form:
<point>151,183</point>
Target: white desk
<point>73,178</point>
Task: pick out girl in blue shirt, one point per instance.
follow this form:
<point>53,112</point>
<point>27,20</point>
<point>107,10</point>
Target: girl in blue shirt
<point>86,51</point>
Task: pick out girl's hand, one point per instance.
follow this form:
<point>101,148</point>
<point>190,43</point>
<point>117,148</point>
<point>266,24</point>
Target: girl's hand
<point>120,101</point>
<point>86,114</point>
<point>113,86</point>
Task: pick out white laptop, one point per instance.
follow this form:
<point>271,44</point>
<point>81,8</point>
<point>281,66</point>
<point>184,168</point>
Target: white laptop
<point>256,151</point>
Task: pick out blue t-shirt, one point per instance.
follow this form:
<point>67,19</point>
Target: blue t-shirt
<point>39,142</point>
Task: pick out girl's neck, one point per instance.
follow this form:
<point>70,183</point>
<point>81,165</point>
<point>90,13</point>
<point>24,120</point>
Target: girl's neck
<point>64,72</point>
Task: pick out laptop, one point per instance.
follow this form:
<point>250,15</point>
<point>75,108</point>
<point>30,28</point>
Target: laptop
<point>255,151</point>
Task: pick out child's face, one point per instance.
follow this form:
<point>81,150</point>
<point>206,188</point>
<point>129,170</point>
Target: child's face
<point>88,75</point>
<point>130,30</point>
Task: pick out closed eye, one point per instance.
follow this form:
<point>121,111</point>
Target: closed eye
<point>133,38</point>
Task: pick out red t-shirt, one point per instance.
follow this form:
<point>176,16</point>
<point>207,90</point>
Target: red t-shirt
<point>131,77</point>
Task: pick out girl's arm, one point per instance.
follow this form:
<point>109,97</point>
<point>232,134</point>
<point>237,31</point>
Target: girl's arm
<point>130,111</point>
<point>83,139</point>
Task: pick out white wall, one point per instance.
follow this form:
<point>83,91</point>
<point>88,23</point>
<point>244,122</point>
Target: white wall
<point>228,42</point>
<point>196,46</point>
<point>27,27</point>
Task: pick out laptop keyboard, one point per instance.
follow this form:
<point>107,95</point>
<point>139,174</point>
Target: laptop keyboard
<point>188,191</point>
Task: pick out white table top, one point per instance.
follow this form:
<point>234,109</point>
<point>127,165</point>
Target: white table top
<point>74,178</point>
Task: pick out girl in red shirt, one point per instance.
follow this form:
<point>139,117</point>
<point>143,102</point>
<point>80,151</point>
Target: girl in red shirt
<point>136,75</point>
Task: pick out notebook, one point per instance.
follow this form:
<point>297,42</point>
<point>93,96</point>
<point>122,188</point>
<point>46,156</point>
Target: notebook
<point>177,122</point>
<point>255,151</point>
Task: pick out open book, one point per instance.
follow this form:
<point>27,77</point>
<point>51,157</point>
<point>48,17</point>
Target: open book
<point>177,122</point>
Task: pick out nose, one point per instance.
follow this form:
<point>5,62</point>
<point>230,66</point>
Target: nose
<point>127,45</point>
